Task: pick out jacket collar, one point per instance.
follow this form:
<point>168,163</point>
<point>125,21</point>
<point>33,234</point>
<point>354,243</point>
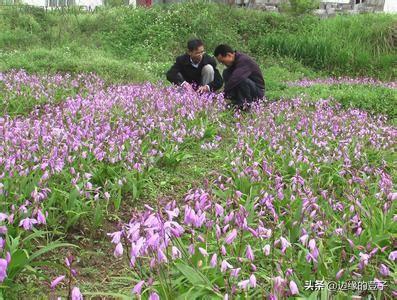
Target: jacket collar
<point>187,60</point>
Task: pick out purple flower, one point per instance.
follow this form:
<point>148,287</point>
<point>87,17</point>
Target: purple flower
<point>364,258</point>
<point>225,265</point>
<point>284,244</point>
<point>27,223</point>
<point>312,244</point>
<point>176,253</point>
<point>154,296</point>
<point>138,287</point>
<point>3,269</point>
<point>191,249</point>
<point>218,210</point>
<point>40,217</point>
<point>218,231</point>
<point>339,274</point>
<point>73,272</point>
<point>249,253</point>
<point>137,246</point>
<point>279,283</point>
<point>3,229</point>
<point>252,281</point>
<point>339,231</point>
<point>203,251</point>
<point>289,272</point>
<point>303,239</point>
<point>266,249</point>
<point>234,272</point>
<point>239,194</point>
<point>231,236</point>
<point>8,257</point>
<point>393,255</point>
<point>214,260</point>
<point>161,256</point>
<point>3,217</point>
<point>76,294</point>
<point>119,250</point>
<point>67,262</point>
<point>293,288</point>
<point>61,136</point>
<point>116,236</point>
<point>384,270</point>
<point>314,253</point>
<point>243,284</point>
<point>56,281</point>
<point>153,242</point>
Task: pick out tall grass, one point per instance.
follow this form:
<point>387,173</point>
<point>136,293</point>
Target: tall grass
<point>361,45</point>
<point>348,45</point>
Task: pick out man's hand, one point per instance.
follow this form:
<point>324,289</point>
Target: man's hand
<point>187,86</point>
<point>203,89</point>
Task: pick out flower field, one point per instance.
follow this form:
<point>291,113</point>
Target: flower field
<point>305,192</point>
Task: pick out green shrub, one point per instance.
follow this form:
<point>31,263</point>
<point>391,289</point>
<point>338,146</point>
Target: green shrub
<point>362,45</point>
<point>300,7</point>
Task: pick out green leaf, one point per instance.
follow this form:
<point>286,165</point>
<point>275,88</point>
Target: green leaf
<point>313,296</point>
<point>18,261</point>
<point>110,295</point>
<point>195,293</point>
<point>324,294</point>
<point>194,276</point>
<point>73,219</point>
<point>134,191</point>
<point>73,196</point>
<point>48,248</point>
<point>36,233</point>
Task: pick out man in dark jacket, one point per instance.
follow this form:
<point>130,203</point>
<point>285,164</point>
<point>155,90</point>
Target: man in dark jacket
<point>243,78</point>
<point>195,70</point>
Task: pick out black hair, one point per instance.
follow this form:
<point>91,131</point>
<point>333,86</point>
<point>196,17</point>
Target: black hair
<point>223,50</point>
<point>194,44</point>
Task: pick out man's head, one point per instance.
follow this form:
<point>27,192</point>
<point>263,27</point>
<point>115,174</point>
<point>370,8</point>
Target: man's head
<point>195,50</point>
<point>225,54</point>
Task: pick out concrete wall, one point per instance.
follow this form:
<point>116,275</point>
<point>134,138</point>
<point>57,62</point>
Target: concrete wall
<point>89,3</point>
<point>35,2</point>
<point>336,1</point>
<point>390,6</point>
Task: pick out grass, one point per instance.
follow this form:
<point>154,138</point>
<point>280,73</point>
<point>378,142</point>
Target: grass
<point>375,100</point>
<point>72,40</point>
<point>74,59</point>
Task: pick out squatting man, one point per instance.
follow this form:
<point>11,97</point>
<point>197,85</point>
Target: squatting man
<point>197,71</point>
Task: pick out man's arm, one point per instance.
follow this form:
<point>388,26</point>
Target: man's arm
<point>174,73</point>
<point>242,70</point>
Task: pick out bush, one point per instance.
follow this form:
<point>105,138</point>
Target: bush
<point>344,45</point>
<point>299,7</point>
